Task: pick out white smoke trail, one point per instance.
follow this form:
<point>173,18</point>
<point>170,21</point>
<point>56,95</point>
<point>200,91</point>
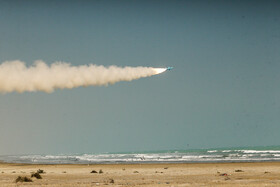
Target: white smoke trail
<point>16,76</point>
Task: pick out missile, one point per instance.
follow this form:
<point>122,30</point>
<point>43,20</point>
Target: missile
<point>169,68</point>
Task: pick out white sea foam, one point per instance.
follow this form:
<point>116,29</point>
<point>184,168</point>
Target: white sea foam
<point>178,156</point>
<point>212,151</point>
<point>259,151</point>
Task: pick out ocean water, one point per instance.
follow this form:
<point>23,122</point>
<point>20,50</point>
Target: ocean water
<point>249,154</point>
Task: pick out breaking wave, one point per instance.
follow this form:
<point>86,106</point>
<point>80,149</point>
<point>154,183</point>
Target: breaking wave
<point>180,156</point>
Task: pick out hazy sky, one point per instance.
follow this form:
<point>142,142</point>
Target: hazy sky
<point>224,89</point>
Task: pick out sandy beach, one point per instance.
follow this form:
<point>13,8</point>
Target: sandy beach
<point>197,174</point>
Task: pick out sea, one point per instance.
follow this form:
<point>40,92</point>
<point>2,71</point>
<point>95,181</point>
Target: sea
<point>238,154</point>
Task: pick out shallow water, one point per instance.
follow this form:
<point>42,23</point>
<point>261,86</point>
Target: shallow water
<point>251,154</point>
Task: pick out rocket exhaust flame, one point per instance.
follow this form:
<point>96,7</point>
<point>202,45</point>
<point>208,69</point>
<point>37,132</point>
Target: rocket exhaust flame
<point>16,76</point>
<point>160,70</point>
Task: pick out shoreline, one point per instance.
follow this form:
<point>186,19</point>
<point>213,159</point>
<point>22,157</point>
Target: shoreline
<point>143,163</point>
<point>145,174</point>
<point>136,163</point>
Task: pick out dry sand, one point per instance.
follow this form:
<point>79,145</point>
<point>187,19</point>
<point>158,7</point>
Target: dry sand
<point>252,174</point>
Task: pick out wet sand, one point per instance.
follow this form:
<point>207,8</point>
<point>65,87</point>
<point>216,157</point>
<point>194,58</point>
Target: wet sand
<point>197,174</point>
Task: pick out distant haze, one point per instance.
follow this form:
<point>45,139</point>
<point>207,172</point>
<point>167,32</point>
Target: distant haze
<point>224,89</point>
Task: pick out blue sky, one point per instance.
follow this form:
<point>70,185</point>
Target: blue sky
<point>224,90</point>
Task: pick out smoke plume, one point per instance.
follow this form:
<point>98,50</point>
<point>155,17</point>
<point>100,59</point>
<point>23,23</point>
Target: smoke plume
<point>16,76</point>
